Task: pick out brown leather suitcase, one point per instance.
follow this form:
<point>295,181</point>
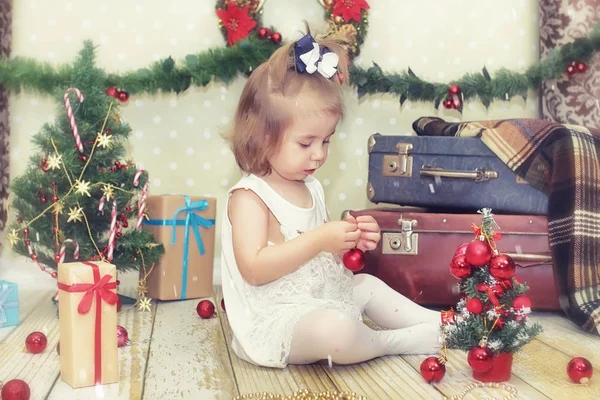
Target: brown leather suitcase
<point>416,247</point>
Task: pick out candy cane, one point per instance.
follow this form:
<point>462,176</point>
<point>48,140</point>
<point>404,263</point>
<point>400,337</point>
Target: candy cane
<point>113,231</point>
<point>72,117</point>
<point>101,204</point>
<point>142,207</point>
<point>136,178</point>
<point>63,250</point>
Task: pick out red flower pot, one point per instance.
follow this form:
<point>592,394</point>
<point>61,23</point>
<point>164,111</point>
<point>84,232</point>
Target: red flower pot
<point>500,371</point>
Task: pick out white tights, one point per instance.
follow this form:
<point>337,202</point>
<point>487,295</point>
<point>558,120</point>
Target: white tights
<point>410,328</point>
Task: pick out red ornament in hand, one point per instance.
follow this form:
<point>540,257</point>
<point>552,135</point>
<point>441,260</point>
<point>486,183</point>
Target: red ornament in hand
<point>521,302</point>
<point>16,389</point>
<point>478,253</point>
<point>580,370</point>
<point>474,305</point>
<point>36,342</point>
<point>502,267</point>
<point>122,336</point>
<point>480,358</point>
<point>354,259</point>
<point>460,268</point>
<point>432,370</point>
<point>205,309</point>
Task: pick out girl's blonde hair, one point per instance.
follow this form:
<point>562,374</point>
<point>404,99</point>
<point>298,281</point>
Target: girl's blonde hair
<point>274,94</point>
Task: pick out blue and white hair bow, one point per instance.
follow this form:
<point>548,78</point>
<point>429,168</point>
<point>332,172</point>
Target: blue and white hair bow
<point>310,57</point>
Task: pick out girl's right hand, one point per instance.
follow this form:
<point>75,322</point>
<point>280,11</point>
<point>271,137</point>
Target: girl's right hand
<point>338,237</point>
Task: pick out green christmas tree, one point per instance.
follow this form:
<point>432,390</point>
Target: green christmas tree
<point>492,317</point>
<point>80,198</point>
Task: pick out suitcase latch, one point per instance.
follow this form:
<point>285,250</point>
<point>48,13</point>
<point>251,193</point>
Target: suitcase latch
<point>401,164</point>
<point>405,242</point>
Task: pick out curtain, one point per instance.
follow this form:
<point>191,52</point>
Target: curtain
<point>5,42</point>
<point>572,99</point>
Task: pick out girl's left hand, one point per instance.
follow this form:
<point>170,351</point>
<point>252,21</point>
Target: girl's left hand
<point>370,233</point>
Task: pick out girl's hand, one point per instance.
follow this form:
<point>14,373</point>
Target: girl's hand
<point>338,237</point>
<point>370,233</point>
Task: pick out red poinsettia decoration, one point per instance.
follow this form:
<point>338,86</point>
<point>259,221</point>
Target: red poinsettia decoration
<point>350,9</point>
<point>237,22</point>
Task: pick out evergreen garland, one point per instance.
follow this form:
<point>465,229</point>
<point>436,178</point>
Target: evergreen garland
<point>224,64</point>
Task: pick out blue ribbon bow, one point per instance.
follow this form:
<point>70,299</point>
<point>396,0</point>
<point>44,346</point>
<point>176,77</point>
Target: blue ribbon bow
<point>192,220</point>
<point>4,305</point>
<point>311,58</point>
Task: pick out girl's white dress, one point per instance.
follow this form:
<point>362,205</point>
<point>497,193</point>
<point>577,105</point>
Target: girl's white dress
<point>263,317</point>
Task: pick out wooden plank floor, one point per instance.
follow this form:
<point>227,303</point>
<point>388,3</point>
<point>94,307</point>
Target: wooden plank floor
<point>174,354</point>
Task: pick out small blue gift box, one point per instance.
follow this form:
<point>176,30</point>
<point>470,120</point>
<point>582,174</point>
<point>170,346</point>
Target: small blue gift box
<point>9,304</point>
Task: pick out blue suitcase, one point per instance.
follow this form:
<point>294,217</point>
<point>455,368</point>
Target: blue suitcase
<point>446,173</point>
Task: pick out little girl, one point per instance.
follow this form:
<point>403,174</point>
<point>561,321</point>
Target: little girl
<point>289,298</point>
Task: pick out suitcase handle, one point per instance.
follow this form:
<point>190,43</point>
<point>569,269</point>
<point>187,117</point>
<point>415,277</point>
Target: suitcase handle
<point>539,258</point>
<point>478,175</point>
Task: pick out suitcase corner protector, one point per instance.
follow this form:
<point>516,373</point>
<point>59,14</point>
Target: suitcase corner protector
<point>371,142</point>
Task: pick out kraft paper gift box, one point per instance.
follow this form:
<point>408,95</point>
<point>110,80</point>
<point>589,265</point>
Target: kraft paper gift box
<point>185,225</point>
<point>9,304</point>
<point>87,305</point>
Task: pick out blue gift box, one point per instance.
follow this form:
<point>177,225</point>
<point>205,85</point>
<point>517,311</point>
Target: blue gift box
<point>9,304</point>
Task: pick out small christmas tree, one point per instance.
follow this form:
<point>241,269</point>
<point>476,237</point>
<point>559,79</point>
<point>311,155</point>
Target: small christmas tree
<point>79,193</point>
<point>491,320</point>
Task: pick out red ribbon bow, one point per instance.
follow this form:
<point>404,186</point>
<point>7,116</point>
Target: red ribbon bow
<point>492,291</point>
<point>477,231</point>
<point>102,289</point>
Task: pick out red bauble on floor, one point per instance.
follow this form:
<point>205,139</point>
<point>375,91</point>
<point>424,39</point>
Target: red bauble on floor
<point>122,336</point>
<point>354,260</point>
<point>580,370</point>
<point>16,389</point>
<point>432,370</point>
<point>205,309</point>
<point>36,342</point>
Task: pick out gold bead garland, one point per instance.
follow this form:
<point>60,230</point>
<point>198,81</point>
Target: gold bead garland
<point>512,390</point>
<point>303,394</point>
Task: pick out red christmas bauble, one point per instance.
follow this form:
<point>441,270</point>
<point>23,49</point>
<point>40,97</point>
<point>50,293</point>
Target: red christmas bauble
<point>474,305</point>
<point>448,103</point>
<point>122,336</point>
<point>123,96</point>
<point>223,304</point>
<point>462,249</point>
<point>478,253</point>
<point>16,389</point>
<point>521,301</point>
<point>480,358</point>
<point>581,67</point>
<point>432,370</point>
<point>454,89</point>
<point>263,33</point>
<point>205,309</point>
<point>36,342</point>
<point>276,37</point>
<point>580,370</point>
<point>112,92</point>
<point>571,69</point>
<point>354,259</point>
<point>54,274</point>
<point>502,267</point>
<point>460,268</point>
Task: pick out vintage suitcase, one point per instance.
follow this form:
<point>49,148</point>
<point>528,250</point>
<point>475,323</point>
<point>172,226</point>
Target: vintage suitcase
<point>446,174</point>
<point>414,254</point>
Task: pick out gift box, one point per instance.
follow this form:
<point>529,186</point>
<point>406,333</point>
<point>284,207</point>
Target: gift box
<point>88,323</point>
<point>186,227</point>
<point>9,304</point>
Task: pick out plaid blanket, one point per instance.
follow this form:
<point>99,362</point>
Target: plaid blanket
<point>564,162</point>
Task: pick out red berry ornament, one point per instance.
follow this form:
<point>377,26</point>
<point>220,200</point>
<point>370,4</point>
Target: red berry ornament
<point>354,260</point>
<point>432,370</point>
<point>123,96</point>
<point>580,370</point>
<point>460,268</point>
<point>478,253</point>
<point>276,37</point>
<point>122,336</point>
<point>474,305</point>
<point>36,342</point>
<point>521,302</point>
<point>502,267</point>
<point>263,33</point>
<point>16,389</point>
<point>112,92</point>
<point>205,309</point>
<point>480,358</point>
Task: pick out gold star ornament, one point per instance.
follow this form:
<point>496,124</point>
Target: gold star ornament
<point>144,304</point>
<point>104,140</point>
<point>58,207</point>
<point>75,214</point>
<point>82,187</point>
<point>53,161</point>
<point>12,238</point>
<point>108,192</point>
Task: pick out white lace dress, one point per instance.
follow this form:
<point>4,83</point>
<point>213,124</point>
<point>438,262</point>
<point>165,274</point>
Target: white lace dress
<point>263,317</point>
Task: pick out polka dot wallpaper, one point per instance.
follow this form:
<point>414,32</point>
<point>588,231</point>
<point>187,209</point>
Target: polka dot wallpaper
<point>177,138</point>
